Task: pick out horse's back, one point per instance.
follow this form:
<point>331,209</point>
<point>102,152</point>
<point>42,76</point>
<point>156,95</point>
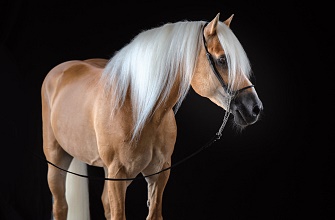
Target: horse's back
<point>69,93</point>
<point>71,77</point>
<point>74,69</point>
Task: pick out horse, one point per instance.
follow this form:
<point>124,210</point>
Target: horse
<point>119,114</point>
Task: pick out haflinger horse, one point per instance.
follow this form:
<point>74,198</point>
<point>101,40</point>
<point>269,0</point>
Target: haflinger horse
<point>119,114</point>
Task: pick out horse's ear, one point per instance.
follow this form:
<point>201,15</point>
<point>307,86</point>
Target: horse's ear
<point>228,21</point>
<point>211,27</point>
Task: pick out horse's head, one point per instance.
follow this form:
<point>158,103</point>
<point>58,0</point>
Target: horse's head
<point>222,73</point>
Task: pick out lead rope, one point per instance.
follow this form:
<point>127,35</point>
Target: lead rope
<point>225,119</point>
<point>209,143</point>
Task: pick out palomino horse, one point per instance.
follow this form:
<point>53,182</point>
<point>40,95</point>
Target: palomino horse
<point>120,114</point>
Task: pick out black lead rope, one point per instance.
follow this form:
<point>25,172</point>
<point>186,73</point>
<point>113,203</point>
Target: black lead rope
<point>209,143</point>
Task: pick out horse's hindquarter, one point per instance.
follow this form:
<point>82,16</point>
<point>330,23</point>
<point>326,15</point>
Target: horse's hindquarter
<point>71,90</point>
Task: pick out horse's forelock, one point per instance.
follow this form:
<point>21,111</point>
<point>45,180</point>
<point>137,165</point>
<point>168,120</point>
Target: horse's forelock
<point>238,62</point>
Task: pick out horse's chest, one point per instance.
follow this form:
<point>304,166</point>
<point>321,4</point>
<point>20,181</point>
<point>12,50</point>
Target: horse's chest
<point>143,156</point>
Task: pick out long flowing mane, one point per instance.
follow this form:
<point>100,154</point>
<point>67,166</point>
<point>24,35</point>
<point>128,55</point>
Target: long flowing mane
<point>148,66</point>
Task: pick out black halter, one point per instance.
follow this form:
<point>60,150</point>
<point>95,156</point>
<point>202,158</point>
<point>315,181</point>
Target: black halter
<point>216,72</point>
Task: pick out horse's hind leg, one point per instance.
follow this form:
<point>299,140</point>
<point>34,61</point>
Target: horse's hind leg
<point>56,155</point>
<point>56,180</point>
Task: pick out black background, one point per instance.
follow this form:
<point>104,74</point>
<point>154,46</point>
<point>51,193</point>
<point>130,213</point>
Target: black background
<point>279,168</point>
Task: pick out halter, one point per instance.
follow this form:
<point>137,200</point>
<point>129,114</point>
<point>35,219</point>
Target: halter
<point>210,59</point>
<point>232,94</point>
<point>216,137</point>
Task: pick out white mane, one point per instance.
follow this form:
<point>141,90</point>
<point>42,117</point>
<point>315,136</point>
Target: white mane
<point>148,66</point>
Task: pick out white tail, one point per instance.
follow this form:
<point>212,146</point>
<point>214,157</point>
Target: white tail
<point>77,195</point>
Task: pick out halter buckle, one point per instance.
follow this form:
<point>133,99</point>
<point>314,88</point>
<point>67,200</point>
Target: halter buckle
<point>218,135</point>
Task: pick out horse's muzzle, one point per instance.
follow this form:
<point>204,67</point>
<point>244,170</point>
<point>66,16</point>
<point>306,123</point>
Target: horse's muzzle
<point>246,108</point>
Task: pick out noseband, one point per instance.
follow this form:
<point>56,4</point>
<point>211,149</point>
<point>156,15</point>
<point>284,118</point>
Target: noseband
<point>216,72</point>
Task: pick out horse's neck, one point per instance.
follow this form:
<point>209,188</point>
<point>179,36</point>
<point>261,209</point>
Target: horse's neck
<point>161,110</point>
<point>127,108</point>
<point>171,100</point>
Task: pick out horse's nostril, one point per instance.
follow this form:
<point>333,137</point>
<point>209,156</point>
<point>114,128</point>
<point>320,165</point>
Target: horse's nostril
<point>256,110</point>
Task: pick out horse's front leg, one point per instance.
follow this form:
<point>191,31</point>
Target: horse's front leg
<point>156,186</point>
<point>116,192</point>
<point>105,199</point>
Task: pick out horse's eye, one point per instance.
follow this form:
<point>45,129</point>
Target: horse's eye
<point>222,61</point>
